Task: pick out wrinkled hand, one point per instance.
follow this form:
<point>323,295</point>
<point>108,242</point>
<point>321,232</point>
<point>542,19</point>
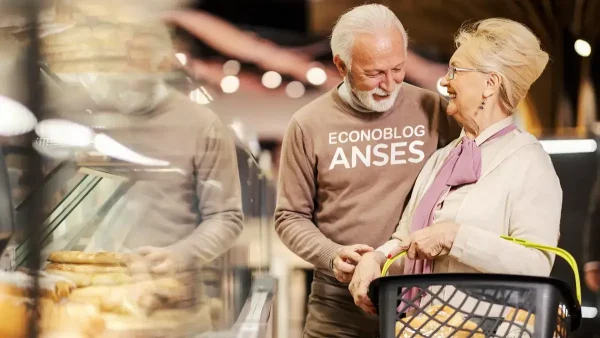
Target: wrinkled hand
<point>346,259</point>
<point>592,279</point>
<point>428,243</point>
<point>159,261</point>
<point>367,270</point>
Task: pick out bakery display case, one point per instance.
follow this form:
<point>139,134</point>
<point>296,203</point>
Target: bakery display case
<point>83,206</point>
<point>129,198</point>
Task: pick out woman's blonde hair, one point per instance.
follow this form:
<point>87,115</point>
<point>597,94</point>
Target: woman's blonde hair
<point>507,48</point>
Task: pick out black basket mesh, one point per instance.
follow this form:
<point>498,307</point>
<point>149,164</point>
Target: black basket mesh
<point>474,305</point>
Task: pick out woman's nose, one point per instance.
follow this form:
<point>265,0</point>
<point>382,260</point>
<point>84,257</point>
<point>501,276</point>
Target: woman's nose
<point>444,81</point>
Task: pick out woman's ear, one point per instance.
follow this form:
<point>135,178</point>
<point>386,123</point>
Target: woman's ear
<point>340,65</point>
<point>492,85</point>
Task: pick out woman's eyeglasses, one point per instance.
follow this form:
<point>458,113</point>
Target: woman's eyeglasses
<point>452,70</point>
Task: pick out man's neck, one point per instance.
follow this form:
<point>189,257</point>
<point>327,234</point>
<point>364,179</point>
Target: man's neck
<point>346,94</point>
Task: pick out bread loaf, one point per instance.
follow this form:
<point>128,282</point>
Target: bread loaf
<point>85,279</point>
<point>423,326</point>
<point>86,268</point>
<point>79,257</point>
<point>137,299</point>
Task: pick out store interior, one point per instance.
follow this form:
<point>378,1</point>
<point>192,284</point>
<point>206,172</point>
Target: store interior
<point>76,176</point>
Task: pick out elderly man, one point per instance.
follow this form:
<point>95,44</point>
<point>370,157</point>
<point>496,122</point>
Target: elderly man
<point>349,161</point>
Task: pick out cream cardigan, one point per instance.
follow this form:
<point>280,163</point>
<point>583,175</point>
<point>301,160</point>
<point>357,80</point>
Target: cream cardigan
<point>518,195</point>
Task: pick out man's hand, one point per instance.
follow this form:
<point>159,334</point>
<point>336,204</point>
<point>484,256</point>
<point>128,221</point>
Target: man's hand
<point>346,259</point>
<point>366,271</point>
<point>160,261</point>
<point>429,243</point>
<point>592,279</point>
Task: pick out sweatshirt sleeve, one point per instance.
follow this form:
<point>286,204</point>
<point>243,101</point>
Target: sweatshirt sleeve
<point>219,197</point>
<point>295,201</point>
<point>535,210</point>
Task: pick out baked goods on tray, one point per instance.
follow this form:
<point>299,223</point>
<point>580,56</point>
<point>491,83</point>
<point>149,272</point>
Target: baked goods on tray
<point>104,280</point>
<point>89,268</point>
<point>132,298</point>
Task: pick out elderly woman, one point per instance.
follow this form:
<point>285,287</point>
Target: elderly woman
<point>493,180</point>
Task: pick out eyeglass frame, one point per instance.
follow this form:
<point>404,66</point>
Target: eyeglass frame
<point>452,71</point>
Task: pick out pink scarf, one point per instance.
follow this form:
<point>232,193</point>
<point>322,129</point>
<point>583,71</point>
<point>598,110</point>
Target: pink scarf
<point>462,166</point>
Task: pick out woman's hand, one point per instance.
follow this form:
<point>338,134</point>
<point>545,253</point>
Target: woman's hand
<point>367,270</point>
<point>428,243</point>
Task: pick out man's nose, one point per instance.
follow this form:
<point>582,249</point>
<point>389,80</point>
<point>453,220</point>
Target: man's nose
<point>388,83</point>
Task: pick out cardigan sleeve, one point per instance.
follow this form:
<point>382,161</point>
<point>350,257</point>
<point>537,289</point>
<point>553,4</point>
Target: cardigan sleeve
<point>535,209</point>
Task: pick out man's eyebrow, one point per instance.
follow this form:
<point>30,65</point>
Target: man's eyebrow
<point>400,65</point>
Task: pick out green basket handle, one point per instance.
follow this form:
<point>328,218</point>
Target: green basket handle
<point>557,251</point>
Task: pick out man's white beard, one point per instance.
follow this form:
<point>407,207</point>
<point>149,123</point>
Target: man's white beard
<point>367,100</point>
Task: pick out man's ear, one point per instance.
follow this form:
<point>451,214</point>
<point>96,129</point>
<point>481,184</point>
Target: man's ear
<point>492,85</point>
<point>340,65</point>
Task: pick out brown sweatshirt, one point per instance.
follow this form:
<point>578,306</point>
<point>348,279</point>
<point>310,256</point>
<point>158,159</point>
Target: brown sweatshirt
<point>345,176</point>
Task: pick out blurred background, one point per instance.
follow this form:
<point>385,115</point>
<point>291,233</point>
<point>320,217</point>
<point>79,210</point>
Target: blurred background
<point>254,63</point>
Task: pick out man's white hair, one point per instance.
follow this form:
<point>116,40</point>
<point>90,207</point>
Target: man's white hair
<point>365,19</point>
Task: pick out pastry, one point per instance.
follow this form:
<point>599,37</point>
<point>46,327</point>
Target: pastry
<point>17,284</point>
<point>15,318</point>
<point>137,299</point>
<point>82,279</point>
<point>521,316</point>
<point>86,268</point>
<point>59,320</point>
<point>79,279</point>
<point>79,257</point>
<point>422,325</point>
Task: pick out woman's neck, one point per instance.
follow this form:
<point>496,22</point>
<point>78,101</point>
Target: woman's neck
<point>484,121</point>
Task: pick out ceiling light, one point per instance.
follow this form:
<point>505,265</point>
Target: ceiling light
<point>16,118</point>
<point>316,76</point>
<point>583,48</point>
<point>230,84</point>
<point>569,146</point>
<point>231,67</point>
<point>271,79</point>
<point>295,89</point>
<point>182,58</point>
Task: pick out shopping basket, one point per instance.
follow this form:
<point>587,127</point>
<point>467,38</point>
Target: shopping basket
<point>477,305</point>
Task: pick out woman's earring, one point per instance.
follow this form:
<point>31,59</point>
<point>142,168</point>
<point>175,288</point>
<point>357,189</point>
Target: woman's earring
<point>482,103</point>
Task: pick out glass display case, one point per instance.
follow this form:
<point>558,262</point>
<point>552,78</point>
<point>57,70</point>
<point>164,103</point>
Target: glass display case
<point>84,203</point>
<point>154,218</point>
